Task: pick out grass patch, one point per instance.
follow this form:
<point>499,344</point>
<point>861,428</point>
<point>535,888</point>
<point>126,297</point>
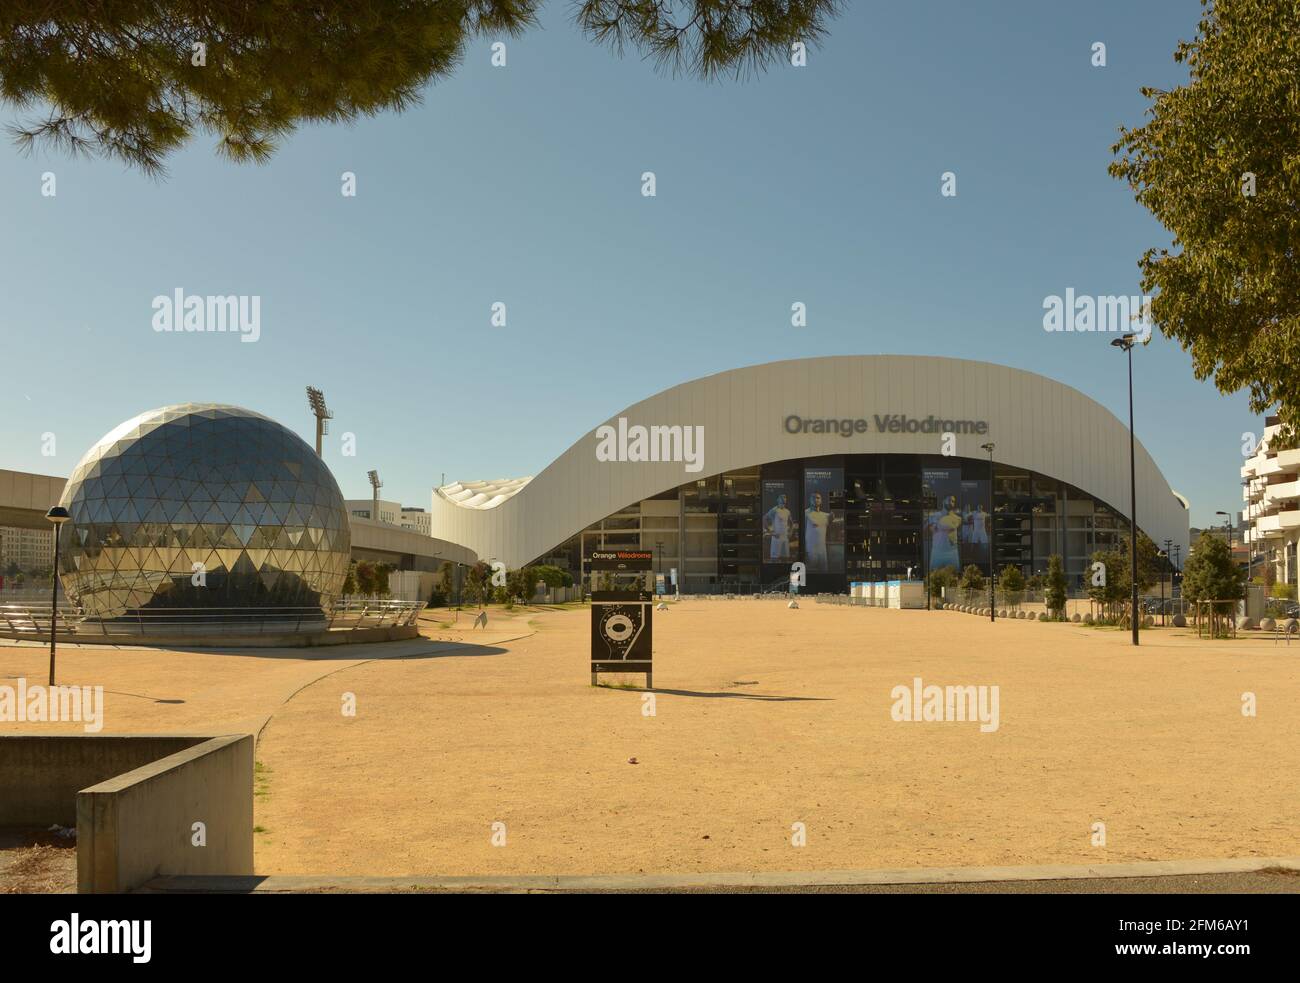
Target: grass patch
<point>261,779</point>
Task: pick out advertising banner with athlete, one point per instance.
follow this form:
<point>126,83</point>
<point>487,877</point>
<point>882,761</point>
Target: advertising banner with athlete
<point>976,523</point>
<point>941,533</point>
<point>823,519</point>
<point>780,521</point>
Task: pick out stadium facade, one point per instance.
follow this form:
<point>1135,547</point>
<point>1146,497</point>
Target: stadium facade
<point>865,467</point>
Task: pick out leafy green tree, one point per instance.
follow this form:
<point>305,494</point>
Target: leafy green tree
<point>972,578</point>
<point>125,80</point>
<point>941,579</point>
<point>553,577</point>
<point>1216,165</point>
<point>1012,582</point>
<point>1211,574</point>
<point>1106,581</point>
<point>365,571</point>
<point>350,581</point>
<point>447,581</point>
<point>522,584</point>
<point>478,583</point>
<point>1150,562</point>
<point>1054,587</point>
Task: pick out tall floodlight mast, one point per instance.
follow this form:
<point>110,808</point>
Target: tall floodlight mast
<point>316,400</point>
<point>375,485</point>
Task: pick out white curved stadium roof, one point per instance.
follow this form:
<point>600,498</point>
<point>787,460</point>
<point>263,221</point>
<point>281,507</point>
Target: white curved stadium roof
<point>481,494</point>
<point>1035,423</point>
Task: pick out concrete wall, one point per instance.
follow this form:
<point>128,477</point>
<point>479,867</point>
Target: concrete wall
<point>411,585</point>
<point>408,549</point>
<point>40,775</point>
<point>25,498</point>
<point>139,825</point>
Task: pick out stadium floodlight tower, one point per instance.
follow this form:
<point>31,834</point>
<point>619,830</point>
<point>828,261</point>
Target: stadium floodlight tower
<point>375,485</point>
<point>316,400</point>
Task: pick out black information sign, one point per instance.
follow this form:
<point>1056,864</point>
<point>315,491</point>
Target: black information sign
<point>621,639</point>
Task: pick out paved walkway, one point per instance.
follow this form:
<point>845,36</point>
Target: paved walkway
<point>1277,875</point>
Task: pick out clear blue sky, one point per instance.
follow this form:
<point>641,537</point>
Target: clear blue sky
<point>522,184</point>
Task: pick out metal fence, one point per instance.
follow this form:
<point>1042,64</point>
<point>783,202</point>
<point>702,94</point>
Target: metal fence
<point>32,620</point>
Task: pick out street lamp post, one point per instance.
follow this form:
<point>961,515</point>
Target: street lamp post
<point>1227,524</point>
<point>1126,344</point>
<point>993,612</point>
<point>1168,545</point>
<point>1164,558</point>
<point>57,515</point>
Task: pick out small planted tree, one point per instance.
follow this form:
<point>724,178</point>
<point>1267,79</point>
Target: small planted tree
<point>1211,575</point>
<point>382,570</point>
<point>941,579</point>
<point>522,584</point>
<point>447,582</point>
<point>972,579</point>
<point>1013,585</point>
<point>478,583</point>
<point>350,581</point>
<point>1054,587</point>
<point>1108,584</point>
<point>553,577</point>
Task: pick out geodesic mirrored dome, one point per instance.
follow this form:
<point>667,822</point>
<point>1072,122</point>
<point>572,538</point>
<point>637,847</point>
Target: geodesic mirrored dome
<point>202,483</point>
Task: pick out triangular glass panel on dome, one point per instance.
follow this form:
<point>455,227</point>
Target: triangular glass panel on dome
<point>263,537</point>
<point>228,509</point>
<point>229,558</point>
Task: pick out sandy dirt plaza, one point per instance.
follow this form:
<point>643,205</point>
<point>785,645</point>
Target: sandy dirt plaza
<point>764,718</point>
